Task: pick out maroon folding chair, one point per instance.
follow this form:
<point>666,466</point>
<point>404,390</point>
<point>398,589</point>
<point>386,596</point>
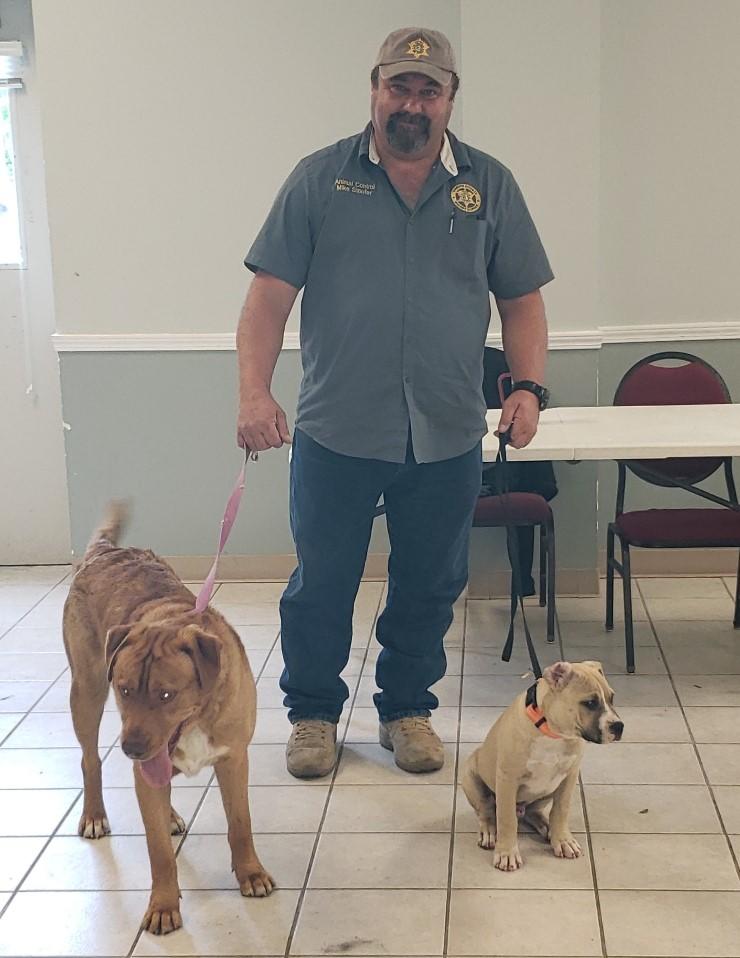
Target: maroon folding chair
<point>667,379</point>
<point>526,509</point>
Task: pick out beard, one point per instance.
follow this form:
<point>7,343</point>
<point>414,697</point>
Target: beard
<point>407,132</point>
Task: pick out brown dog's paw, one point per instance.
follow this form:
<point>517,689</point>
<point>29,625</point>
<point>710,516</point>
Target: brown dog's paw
<point>566,847</point>
<point>93,826</point>
<point>161,920</point>
<point>257,884</point>
<point>177,824</point>
<point>507,861</point>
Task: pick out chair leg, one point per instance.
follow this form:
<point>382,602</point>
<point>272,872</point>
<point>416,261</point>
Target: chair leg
<point>629,635</point>
<point>550,539</point>
<point>736,620</point>
<point>609,624</point>
<point>543,564</point>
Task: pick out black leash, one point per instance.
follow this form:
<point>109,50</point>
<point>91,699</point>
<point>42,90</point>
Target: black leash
<point>512,547</point>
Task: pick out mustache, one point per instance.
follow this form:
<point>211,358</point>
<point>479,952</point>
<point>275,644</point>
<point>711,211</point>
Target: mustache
<point>415,119</point>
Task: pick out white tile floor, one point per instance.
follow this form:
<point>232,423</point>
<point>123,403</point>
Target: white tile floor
<point>373,861</point>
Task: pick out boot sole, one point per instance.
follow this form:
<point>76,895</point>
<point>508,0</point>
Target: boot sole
<point>312,773</point>
<point>385,741</point>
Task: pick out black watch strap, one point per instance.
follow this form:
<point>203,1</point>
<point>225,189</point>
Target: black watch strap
<point>530,386</point>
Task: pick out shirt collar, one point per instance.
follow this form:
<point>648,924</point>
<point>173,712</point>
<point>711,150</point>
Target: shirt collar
<point>446,155</point>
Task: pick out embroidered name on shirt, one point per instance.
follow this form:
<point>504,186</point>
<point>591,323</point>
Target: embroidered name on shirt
<point>354,186</point>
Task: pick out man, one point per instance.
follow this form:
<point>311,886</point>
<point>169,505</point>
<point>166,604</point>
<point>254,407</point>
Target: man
<point>396,236</point>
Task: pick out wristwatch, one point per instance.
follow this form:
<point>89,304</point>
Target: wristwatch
<point>541,392</point>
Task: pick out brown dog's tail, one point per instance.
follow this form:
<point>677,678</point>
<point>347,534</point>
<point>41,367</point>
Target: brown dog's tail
<point>109,530</point>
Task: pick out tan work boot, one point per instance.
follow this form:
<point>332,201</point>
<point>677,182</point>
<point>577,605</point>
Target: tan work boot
<point>415,744</point>
<point>311,751</point>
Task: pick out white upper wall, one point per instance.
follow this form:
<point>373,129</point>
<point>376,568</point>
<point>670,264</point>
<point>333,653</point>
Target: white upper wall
<point>168,128</point>
<point>531,85</point>
<point>670,155</point>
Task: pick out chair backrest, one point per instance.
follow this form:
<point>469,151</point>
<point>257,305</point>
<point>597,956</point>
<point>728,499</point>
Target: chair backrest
<point>671,379</point>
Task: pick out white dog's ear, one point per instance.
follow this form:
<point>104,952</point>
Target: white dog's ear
<point>558,675</point>
<point>593,664</point>
<point>114,642</point>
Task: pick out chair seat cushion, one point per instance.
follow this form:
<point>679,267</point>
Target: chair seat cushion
<point>516,508</point>
<point>677,528</point>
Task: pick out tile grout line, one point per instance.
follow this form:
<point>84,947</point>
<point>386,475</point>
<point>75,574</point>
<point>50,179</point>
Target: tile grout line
<point>47,842</point>
<point>589,841</point>
<point>455,776</point>
<point>53,682</point>
<point>729,590</point>
<point>28,871</point>
<point>694,745</point>
<point>34,605</point>
<point>340,750</point>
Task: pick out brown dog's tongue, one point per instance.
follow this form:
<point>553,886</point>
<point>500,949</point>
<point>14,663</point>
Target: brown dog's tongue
<point>157,771</point>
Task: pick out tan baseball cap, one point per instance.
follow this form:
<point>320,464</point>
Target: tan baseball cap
<point>417,50</point>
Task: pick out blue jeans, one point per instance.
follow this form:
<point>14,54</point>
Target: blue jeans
<point>429,509</point>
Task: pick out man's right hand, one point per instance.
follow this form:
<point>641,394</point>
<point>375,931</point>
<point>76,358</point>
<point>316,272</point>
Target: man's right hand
<point>262,424</point>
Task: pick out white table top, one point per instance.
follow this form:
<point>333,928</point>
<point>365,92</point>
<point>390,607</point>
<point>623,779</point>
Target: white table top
<point>627,432</point>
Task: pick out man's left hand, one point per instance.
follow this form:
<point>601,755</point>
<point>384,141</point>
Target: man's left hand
<point>520,413</point>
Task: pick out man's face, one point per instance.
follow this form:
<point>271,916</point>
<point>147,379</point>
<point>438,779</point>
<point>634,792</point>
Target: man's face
<point>410,114</point>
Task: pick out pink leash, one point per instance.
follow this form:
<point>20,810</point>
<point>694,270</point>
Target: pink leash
<point>230,513</point>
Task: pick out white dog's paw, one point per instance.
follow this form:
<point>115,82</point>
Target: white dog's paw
<point>507,860</point>
<point>566,847</point>
<point>486,836</point>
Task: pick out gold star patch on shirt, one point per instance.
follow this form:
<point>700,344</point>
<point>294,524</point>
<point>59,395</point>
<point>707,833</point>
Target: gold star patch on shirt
<point>465,197</point>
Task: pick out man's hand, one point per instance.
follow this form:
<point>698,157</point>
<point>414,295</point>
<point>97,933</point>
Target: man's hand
<point>520,413</point>
<point>261,424</point>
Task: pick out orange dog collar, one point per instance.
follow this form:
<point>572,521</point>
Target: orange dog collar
<point>536,715</point>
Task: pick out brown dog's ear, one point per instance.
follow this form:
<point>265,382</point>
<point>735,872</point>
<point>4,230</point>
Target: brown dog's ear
<point>205,651</point>
<point>558,675</point>
<point>114,642</point>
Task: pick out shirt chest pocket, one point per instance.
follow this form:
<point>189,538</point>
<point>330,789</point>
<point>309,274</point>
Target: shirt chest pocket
<point>465,246</point>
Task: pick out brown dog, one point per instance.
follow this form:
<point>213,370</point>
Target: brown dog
<point>186,695</point>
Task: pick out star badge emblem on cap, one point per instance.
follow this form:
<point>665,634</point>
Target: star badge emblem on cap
<point>418,48</point>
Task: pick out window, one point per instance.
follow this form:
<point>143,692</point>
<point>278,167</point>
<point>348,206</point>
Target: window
<point>10,235</point>
<point>11,69</point>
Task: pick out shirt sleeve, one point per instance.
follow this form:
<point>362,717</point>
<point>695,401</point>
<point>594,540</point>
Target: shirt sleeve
<point>518,264</point>
<point>284,245</point>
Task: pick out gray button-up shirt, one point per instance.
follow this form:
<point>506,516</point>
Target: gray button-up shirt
<point>396,302</point>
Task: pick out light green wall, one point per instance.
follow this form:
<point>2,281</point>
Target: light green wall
<point>159,428</point>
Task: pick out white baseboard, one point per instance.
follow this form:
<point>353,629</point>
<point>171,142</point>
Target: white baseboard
<point>678,562</point>
<point>482,584</point>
